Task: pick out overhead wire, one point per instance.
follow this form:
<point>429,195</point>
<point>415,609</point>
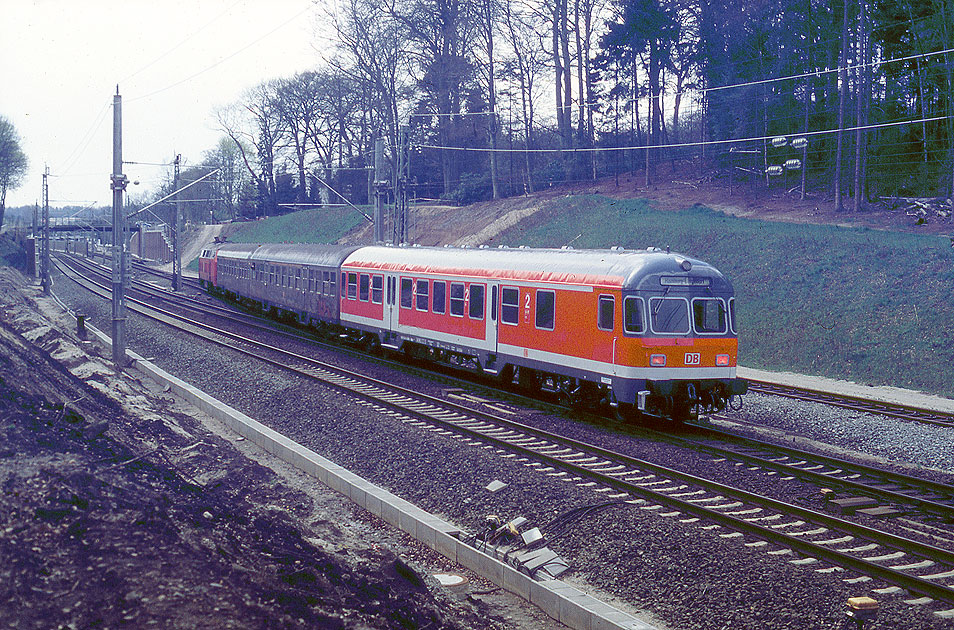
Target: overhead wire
<point>80,148</point>
<point>685,144</point>
<point>181,42</point>
<point>222,60</point>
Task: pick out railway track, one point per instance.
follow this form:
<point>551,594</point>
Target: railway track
<point>885,486</point>
<point>875,484</point>
<point>854,403</point>
<point>812,537</point>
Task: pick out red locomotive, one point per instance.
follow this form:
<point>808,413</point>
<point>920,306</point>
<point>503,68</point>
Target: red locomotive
<point>642,331</point>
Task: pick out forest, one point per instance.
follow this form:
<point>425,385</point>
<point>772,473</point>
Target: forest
<point>481,99</point>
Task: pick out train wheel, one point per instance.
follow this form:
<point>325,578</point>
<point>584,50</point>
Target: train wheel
<point>372,345</point>
<point>626,412</point>
<point>528,379</point>
<point>682,412</point>
<point>506,376</point>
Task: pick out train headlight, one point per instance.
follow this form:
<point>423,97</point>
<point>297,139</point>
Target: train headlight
<point>657,360</point>
<point>722,360</point>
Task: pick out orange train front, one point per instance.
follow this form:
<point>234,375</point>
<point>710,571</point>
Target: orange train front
<point>642,331</point>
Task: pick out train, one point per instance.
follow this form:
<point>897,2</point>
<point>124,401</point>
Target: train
<point>644,332</point>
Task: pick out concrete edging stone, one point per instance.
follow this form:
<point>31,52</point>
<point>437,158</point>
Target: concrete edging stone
<point>557,599</point>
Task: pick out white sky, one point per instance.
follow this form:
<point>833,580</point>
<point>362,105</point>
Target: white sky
<point>175,61</point>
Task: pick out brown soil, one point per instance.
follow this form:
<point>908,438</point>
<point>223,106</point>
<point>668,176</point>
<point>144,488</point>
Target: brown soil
<point>123,507</point>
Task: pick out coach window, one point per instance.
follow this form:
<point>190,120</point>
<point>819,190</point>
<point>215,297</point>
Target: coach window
<point>311,281</point>
<point>669,315</point>
<point>607,314</point>
<point>271,274</point>
<point>422,295</point>
<point>476,301</point>
<point>439,298</point>
<point>457,299</point>
<point>365,287</point>
<point>352,286</point>
<point>510,305</point>
<point>377,288</point>
<point>633,315</point>
<point>333,277</point>
<point>732,325</point>
<point>298,278</point>
<point>546,301</point>
<point>407,293</point>
<point>324,283</point>
<point>708,316</point>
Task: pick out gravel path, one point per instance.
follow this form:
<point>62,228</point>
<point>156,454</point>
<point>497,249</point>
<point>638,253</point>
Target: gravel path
<point>681,574</point>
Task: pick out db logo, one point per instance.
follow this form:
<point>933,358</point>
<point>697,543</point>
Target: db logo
<point>693,358</point>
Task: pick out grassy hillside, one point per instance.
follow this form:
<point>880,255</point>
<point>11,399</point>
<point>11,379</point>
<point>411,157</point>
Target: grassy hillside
<point>306,226</point>
<point>871,306</point>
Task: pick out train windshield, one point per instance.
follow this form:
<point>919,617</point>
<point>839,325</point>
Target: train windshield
<point>669,315</point>
<point>709,315</point>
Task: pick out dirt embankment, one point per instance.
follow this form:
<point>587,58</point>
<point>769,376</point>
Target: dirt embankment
<point>134,513</point>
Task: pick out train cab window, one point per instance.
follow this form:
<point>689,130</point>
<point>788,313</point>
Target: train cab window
<point>545,305</point>
<point>365,287</point>
<point>457,299</point>
<point>732,316</point>
<point>606,320</point>
<point>422,295</point>
<point>476,301</point>
<point>377,288</point>
<point>352,286</point>
<point>709,316</point>
<point>633,315</point>
<point>439,297</point>
<point>510,305</point>
<point>669,315</point>
<point>407,293</point>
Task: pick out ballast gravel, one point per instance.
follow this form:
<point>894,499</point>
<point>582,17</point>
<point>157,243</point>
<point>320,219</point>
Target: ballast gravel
<point>673,571</point>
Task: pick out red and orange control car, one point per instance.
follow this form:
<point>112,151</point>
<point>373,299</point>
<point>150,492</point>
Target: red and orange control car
<point>643,331</point>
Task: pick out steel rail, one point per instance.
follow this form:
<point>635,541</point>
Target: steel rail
<point>856,403</point>
<point>945,510</point>
<point>435,410</point>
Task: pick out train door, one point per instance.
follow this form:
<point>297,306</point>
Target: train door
<point>606,321</point>
<point>389,318</point>
<point>491,333</point>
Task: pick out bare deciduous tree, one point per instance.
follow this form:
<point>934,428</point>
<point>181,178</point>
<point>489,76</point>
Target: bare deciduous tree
<point>13,162</point>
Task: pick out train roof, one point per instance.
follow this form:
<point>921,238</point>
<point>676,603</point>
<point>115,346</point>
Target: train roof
<point>299,254</point>
<point>628,269</point>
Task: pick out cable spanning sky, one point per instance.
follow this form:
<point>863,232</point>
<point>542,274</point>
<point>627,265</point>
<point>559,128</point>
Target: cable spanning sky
<point>175,63</point>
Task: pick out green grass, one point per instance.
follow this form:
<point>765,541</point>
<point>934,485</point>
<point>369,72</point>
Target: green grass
<point>866,305</point>
<point>307,226</point>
